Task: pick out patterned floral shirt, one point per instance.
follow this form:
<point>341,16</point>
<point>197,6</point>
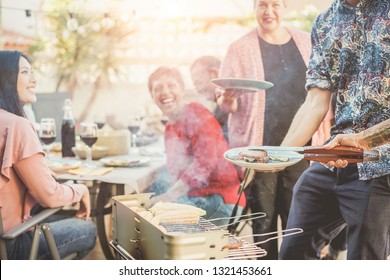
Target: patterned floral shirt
<point>351,56</point>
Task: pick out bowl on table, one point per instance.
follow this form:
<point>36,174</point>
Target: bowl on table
<point>98,152</point>
<point>117,141</point>
<point>56,147</point>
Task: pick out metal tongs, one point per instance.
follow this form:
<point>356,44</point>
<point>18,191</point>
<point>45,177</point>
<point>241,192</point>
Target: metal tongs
<point>314,153</point>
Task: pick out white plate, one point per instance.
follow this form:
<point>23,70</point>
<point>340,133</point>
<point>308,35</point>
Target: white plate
<point>243,84</point>
<point>152,152</point>
<point>125,162</point>
<point>60,165</point>
<point>293,158</point>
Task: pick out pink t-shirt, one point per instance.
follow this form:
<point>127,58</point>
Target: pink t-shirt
<point>25,178</point>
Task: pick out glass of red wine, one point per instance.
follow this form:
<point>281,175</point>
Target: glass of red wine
<point>100,120</point>
<point>88,134</point>
<point>47,133</point>
<point>134,126</point>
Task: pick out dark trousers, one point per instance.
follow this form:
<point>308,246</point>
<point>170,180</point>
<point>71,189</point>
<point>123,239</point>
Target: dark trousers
<point>339,243</point>
<point>271,193</point>
<point>322,196</point>
<point>376,228</point>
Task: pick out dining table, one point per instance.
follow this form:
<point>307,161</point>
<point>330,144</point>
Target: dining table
<point>117,180</point>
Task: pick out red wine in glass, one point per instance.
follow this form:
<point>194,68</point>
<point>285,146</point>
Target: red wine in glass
<point>89,141</point>
<point>47,140</point>
<point>47,133</point>
<point>88,134</point>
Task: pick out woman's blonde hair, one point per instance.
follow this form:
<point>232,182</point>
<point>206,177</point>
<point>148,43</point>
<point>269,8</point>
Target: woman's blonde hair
<point>255,1</point>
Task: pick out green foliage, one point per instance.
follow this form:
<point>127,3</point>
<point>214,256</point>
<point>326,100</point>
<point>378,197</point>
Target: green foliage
<point>85,46</point>
<point>303,19</point>
<point>299,19</point>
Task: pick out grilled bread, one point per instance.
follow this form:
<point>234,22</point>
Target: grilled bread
<point>162,207</point>
<point>170,213</point>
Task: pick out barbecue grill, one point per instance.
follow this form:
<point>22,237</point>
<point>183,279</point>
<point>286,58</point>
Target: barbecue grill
<point>135,237</point>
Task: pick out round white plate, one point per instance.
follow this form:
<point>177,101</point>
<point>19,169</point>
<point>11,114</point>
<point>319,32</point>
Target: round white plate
<point>125,162</point>
<point>242,84</point>
<point>152,152</point>
<point>60,165</point>
<point>293,158</point>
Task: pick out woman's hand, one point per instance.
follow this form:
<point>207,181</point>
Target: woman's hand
<point>85,205</point>
<point>227,99</point>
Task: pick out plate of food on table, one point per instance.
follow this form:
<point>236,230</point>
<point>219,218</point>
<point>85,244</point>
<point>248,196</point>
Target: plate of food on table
<point>125,161</point>
<point>61,165</point>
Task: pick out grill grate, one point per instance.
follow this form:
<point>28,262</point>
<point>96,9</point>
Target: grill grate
<point>201,226</point>
<point>245,251</point>
<point>137,238</point>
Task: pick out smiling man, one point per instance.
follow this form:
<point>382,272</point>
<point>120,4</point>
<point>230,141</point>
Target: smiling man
<point>194,145</point>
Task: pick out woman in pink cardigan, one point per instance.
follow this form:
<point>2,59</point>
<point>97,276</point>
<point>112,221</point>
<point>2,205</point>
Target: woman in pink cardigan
<point>25,179</point>
<point>280,55</point>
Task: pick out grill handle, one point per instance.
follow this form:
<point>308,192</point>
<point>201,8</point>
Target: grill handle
<point>350,154</point>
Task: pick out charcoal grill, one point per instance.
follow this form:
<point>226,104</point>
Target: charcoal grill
<point>134,237</point>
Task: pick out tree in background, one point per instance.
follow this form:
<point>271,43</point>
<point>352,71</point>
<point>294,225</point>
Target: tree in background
<point>85,42</point>
<point>299,19</point>
<point>303,19</point>
<point>82,46</point>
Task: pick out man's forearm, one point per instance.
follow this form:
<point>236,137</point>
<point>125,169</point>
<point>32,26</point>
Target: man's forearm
<point>301,130</point>
<point>308,118</point>
<point>377,135</point>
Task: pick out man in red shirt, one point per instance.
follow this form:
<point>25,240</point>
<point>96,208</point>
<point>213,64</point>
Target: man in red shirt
<point>194,144</point>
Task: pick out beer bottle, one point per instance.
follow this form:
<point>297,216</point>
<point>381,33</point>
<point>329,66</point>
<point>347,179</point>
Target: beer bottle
<point>68,130</point>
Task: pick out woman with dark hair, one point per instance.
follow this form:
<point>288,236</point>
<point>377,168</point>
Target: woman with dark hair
<point>25,179</point>
<point>9,99</point>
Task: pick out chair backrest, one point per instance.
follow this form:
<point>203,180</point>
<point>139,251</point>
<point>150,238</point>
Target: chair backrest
<point>50,105</point>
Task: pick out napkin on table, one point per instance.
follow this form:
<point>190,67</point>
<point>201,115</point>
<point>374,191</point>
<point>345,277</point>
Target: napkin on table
<point>90,171</point>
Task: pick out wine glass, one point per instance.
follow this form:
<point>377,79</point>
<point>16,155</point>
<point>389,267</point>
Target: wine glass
<point>88,134</point>
<point>134,125</point>
<point>100,120</point>
<point>47,133</point>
